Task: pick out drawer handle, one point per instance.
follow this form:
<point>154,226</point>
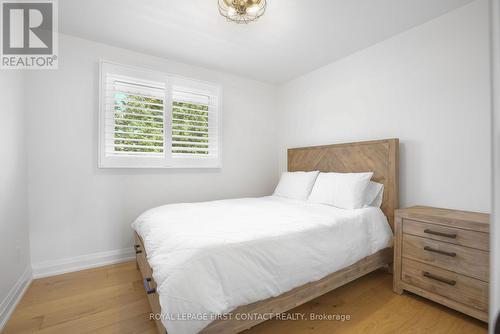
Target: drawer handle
<point>137,249</point>
<point>452,254</point>
<point>149,289</point>
<point>441,234</point>
<point>439,279</point>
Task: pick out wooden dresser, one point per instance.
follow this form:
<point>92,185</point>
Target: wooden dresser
<point>443,255</point>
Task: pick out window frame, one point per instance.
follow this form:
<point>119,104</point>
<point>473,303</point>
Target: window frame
<point>170,81</point>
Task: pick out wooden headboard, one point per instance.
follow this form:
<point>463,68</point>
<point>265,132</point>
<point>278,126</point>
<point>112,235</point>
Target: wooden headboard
<point>379,156</point>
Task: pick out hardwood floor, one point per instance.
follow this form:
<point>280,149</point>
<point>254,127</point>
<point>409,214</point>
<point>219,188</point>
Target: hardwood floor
<point>112,300</point>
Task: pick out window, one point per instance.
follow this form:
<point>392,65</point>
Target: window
<point>153,120</point>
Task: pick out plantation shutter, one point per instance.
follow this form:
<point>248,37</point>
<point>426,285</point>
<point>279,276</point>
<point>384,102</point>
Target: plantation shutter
<point>153,120</point>
<point>194,124</point>
<point>134,117</point>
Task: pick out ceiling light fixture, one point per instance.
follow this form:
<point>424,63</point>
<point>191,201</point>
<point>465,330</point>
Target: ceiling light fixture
<point>242,11</point>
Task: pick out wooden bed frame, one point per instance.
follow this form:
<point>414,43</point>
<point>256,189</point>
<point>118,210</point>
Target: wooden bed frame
<point>379,156</point>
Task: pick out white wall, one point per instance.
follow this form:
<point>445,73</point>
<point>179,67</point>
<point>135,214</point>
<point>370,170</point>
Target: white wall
<point>428,86</point>
<point>495,226</point>
<point>78,209</point>
<point>14,241</point>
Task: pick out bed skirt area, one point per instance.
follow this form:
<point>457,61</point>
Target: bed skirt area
<point>273,305</point>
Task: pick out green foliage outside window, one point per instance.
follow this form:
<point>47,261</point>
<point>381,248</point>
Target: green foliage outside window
<point>139,125</point>
<point>189,120</point>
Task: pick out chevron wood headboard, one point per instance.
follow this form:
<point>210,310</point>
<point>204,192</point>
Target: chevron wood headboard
<point>379,156</point>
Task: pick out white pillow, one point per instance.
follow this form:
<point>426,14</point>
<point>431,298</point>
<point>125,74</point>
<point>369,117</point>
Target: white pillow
<point>296,185</point>
<point>342,190</point>
<point>374,194</point>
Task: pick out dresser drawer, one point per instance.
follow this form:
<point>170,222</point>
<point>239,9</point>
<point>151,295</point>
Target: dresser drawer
<point>445,283</point>
<point>452,235</point>
<point>463,260</point>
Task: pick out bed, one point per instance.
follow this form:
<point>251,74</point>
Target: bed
<point>225,266</point>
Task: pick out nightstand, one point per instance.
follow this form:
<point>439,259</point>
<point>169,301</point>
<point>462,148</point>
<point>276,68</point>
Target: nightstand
<point>443,255</point>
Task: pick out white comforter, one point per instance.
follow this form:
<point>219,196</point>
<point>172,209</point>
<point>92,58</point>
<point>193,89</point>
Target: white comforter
<point>209,258</point>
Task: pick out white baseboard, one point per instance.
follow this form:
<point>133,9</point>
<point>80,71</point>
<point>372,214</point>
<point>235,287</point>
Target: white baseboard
<point>77,263</point>
<point>14,296</point>
<point>56,267</point>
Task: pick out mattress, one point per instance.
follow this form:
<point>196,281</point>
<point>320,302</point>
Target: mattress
<point>209,258</point>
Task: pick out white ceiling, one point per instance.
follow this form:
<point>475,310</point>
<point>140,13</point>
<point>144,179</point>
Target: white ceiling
<point>292,38</point>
